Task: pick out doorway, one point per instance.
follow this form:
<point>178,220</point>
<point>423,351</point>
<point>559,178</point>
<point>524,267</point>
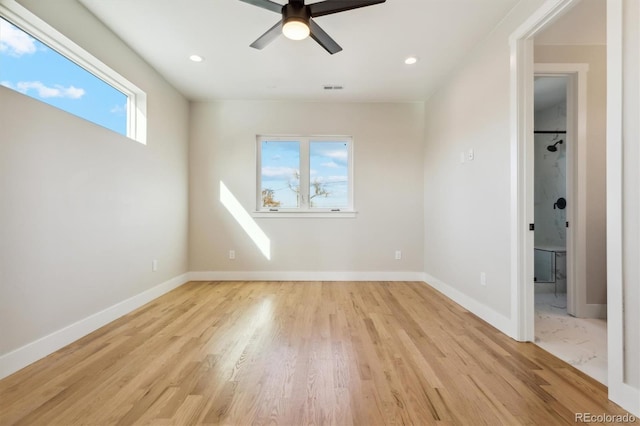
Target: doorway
<point>559,298</point>
<point>522,71</point>
<point>582,140</point>
<point>551,147</point>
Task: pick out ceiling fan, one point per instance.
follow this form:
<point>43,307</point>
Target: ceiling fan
<point>296,22</point>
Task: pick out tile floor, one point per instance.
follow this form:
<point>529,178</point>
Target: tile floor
<point>580,342</point>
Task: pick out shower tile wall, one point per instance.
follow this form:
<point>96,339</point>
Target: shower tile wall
<point>550,184</point>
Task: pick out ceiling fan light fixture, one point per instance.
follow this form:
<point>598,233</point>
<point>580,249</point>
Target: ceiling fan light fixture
<point>295,29</point>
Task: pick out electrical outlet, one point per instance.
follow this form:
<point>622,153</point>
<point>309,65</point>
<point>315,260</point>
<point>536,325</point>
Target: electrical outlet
<point>232,254</point>
<point>483,278</point>
<point>154,265</point>
<point>398,255</point>
<point>470,155</point>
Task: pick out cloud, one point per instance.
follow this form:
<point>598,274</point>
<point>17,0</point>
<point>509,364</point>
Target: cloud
<point>330,165</point>
<point>339,157</point>
<point>58,91</point>
<point>279,172</point>
<point>15,42</point>
<point>340,154</point>
<point>118,109</point>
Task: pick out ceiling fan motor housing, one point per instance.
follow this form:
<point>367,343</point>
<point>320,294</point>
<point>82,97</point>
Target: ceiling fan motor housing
<point>295,12</point>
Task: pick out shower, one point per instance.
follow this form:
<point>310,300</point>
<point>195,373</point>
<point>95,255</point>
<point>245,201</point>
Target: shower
<point>553,148</point>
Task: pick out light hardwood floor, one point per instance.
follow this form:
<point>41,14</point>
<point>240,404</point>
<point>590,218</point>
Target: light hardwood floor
<point>282,353</point>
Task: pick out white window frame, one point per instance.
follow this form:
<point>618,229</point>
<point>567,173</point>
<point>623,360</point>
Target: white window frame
<point>22,18</point>
<point>304,210</point>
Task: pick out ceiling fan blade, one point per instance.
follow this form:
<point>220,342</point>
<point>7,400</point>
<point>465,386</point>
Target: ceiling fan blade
<point>334,6</point>
<point>323,38</point>
<point>268,37</point>
<point>266,4</point>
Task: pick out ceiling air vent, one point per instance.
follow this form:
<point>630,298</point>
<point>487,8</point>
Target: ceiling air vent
<point>332,87</point>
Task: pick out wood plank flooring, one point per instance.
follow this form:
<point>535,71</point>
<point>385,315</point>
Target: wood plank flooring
<point>298,353</point>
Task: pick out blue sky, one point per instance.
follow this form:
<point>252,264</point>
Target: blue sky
<point>30,67</point>
<point>328,164</point>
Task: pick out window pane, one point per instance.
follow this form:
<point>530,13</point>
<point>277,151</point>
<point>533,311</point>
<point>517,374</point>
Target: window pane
<point>31,67</point>
<point>329,174</point>
<point>280,174</point>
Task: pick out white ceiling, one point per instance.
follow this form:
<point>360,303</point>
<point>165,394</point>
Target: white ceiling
<point>375,39</point>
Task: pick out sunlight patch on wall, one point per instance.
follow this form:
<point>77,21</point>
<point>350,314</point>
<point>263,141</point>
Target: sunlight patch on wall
<point>245,220</point>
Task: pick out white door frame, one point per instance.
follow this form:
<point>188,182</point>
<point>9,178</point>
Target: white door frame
<point>576,140</point>
<point>619,391</point>
<point>521,125</point>
<point>522,71</point>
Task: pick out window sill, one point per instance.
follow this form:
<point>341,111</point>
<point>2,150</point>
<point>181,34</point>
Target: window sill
<point>305,214</point>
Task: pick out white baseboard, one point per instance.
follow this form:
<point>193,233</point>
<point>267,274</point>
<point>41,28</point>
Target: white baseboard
<point>499,321</point>
<point>594,310</point>
<point>625,396</point>
<point>305,276</point>
<point>31,352</point>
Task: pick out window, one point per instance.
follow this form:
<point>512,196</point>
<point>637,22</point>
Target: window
<point>39,62</point>
<point>305,174</point>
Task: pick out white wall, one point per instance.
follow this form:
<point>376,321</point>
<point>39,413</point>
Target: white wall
<point>388,189</point>
<point>596,219</point>
<point>467,206</point>
<point>84,210</point>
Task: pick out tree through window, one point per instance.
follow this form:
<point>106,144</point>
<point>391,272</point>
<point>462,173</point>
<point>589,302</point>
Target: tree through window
<point>304,174</point>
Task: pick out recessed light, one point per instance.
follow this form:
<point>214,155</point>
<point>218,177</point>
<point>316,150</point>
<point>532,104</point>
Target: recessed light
<point>196,58</point>
<point>411,60</point>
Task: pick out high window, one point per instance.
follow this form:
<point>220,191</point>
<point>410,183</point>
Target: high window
<point>305,174</point>
<point>39,62</point>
